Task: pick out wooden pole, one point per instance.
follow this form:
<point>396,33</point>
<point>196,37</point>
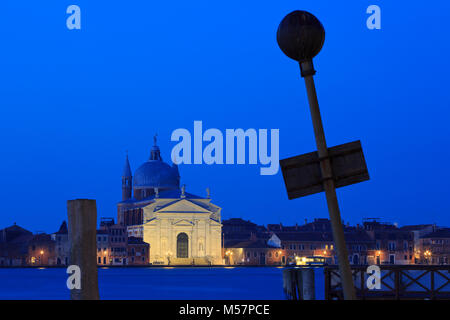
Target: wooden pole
<point>82,214</point>
<point>308,284</point>
<point>308,71</point>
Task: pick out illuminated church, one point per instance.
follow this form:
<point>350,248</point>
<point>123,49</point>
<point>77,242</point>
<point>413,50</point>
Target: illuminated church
<point>181,228</point>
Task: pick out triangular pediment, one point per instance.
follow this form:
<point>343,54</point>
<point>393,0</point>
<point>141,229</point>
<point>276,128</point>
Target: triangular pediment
<point>215,222</point>
<point>183,222</point>
<point>151,221</point>
<point>182,206</point>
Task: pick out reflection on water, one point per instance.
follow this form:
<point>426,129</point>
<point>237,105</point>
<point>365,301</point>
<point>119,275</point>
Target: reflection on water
<point>150,283</point>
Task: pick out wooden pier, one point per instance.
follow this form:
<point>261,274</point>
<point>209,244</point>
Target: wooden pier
<point>406,282</point>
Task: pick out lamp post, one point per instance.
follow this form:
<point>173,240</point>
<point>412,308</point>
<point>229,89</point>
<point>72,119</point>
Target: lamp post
<point>301,36</point>
<point>427,255</point>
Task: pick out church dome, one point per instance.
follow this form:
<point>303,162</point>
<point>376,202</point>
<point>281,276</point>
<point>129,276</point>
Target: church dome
<point>155,173</point>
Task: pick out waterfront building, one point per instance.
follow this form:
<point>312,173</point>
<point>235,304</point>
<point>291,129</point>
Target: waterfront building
<point>305,244</point>
<point>14,245</point>
<point>180,227</point>
<point>434,247</point>
<point>361,246</point>
<point>41,250</point>
<point>252,252</point>
<point>370,243</point>
<point>175,212</point>
<point>112,242</point>
<point>392,244</point>
<point>20,247</point>
<point>103,248</point>
<point>138,251</point>
<point>62,248</point>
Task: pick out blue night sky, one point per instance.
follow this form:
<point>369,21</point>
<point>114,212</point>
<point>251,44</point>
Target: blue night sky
<point>73,102</point>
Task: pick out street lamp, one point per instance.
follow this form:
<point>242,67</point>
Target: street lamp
<point>301,36</point>
<point>427,255</point>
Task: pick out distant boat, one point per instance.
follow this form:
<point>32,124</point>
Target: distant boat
<point>311,261</point>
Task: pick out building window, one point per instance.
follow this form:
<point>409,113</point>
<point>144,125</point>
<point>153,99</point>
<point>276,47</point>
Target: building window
<point>391,246</point>
<point>182,245</point>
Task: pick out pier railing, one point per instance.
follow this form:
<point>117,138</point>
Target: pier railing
<point>396,283</point>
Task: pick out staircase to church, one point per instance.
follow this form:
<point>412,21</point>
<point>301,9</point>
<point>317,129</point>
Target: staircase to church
<point>190,261</point>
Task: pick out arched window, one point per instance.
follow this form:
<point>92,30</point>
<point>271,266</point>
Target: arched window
<point>182,245</point>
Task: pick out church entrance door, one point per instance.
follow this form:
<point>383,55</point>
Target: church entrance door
<point>182,245</point>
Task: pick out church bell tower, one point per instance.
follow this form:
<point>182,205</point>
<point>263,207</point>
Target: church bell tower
<point>127,180</point>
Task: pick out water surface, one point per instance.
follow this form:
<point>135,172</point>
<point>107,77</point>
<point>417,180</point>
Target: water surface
<point>150,283</point>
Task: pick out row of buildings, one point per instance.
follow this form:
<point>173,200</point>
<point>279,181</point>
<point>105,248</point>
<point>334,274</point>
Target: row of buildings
<point>244,243</point>
<point>159,223</point>
<point>371,242</point>
<point>20,247</point>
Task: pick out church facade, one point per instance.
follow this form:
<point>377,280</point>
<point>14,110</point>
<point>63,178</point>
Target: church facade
<point>181,228</point>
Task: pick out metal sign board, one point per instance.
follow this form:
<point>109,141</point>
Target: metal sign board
<point>302,174</point>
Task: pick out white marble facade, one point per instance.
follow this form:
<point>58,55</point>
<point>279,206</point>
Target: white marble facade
<point>183,230</point>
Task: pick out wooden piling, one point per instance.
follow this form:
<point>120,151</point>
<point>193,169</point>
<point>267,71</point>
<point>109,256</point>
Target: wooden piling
<point>299,283</point>
<point>308,284</point>
<point>82,217</point>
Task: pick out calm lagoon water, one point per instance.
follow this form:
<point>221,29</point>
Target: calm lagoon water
<point>261,283</point>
